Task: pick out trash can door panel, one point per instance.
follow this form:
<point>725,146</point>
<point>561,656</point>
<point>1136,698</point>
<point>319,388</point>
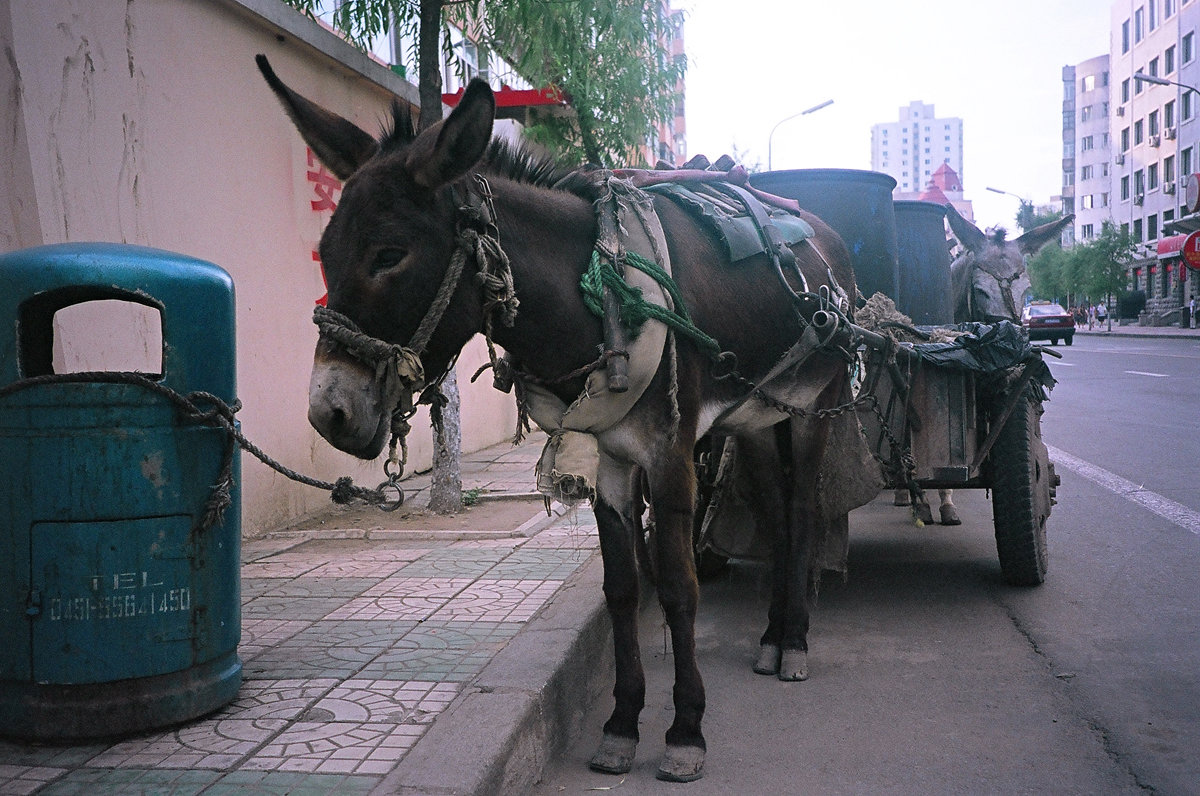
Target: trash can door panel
<point>116,599</point>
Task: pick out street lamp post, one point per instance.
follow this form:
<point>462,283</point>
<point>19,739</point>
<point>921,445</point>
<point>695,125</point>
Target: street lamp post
<point>1025,214</point>
<point>1162,81</point>
<point>804,112</point>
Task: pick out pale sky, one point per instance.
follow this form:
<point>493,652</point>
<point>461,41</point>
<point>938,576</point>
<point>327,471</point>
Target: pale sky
<point>996,64</point>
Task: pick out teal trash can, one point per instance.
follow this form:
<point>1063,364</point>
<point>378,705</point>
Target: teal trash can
<point>119,602</point>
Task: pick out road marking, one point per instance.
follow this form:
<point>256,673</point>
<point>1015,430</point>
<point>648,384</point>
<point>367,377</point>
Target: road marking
<point>1058,364</point>
<point>1144,373</point>
<point>1164,507</point>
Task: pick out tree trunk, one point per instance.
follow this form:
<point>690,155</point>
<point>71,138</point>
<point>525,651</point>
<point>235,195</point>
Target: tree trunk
<point>445,492</point>
<point>587,136</point>
<point>430,67</point>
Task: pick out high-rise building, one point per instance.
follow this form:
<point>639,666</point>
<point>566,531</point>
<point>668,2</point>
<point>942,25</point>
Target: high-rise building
<point>1155,139</point>
<point>1087,151</point>
<point>912,148</point>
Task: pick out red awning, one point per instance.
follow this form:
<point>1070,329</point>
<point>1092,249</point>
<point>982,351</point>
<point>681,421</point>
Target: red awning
<point>1171,247</point>
<point>515,98</point>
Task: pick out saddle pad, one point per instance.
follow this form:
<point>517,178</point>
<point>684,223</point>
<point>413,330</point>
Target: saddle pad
<point>729,219</point>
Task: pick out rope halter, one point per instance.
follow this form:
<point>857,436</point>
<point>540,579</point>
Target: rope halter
<point>398,368</point>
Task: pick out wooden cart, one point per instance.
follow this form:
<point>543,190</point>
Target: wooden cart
<point>941,426</point>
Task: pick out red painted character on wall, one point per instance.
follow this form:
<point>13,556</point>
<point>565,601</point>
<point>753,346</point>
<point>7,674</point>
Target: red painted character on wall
<point>325,188</point>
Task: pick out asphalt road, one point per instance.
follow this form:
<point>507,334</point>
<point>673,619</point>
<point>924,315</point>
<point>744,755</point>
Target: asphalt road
<point>930,676</point>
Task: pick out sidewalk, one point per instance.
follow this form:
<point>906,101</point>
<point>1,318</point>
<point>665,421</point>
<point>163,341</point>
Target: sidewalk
<point>389,653</point>
<point>1133,330</point>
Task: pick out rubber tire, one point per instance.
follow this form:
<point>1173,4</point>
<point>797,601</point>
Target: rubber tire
<point>1070,338</point>
<point>1021,474</point>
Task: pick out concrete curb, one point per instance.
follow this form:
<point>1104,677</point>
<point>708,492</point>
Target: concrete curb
<point>498,735</point>
<point>1186,334</point>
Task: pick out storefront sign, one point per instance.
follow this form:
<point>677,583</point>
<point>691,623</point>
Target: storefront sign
<point>1191,251</point>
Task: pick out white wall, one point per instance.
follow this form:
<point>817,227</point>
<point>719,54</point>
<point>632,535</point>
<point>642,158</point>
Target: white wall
<point>148,123</point>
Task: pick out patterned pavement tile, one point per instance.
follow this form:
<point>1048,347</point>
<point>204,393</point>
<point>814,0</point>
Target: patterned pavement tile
<point>488,544</point>
<point>19,755</point>
<point>310,608</point>
<point>289,783</point>
<point>330,550</point>
<point>498,601</point>
<point>366,565</point>
<point>275,699</point>
<point>275,568</point>
<point>468,551</point>
<point>211,744</point>
<point>260,634</point>
<point>576,542</point>
<point>309,586</point>
<point>256,587</point>
<point>256,549</point>
<point>20,780</point>
<point>326,649</point>
<point>450,562</point>
<point>441,651</point>
<point>337,748</point>
<point>91,781</point>
<point>380,701</point>
<point>402,598</point>
<point>534,563</point>
<point>575,530</point>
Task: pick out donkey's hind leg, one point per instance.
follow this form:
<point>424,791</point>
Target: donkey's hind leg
<point>673,494</point>
<point>948,511</point>
<point>783,646</point>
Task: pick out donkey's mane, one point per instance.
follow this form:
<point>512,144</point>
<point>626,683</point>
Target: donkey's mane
<point>528,163</point>
<point>519,161</point>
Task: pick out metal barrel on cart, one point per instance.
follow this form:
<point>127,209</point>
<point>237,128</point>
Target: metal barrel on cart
<point>858,205</point>
<point>923,289</point>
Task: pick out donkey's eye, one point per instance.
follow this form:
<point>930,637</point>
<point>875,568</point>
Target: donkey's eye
<point>387,259</point>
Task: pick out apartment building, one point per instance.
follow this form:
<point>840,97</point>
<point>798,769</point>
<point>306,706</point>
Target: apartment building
<point>1155,140</point>
<point>1087,151</point>
<point>912,148</point>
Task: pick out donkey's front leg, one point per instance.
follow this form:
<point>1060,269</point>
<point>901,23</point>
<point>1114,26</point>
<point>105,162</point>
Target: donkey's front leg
<point>673,495</point>
<point>614,508</point>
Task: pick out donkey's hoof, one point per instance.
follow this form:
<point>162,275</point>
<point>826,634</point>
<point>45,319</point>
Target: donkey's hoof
<point>768,660</point>
<point>902,498</point>
<point>793,665</point>
<point>950,516</point>
<point>923,514</point>
<point>681,764</point>
<point>615,755</point>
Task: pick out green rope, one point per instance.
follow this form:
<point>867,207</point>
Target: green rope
<point>635,310</point>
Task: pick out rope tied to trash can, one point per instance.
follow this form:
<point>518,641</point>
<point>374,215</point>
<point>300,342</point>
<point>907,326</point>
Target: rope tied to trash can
<point>204,408</point>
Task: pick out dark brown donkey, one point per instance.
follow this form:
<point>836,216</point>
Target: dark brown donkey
<point>409,207</point>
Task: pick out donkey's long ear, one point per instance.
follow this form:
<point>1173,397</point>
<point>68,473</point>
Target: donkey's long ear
<point>967,233</point>
<point>1038,237</point>
<point>337,143</point>
<point>450,148</point>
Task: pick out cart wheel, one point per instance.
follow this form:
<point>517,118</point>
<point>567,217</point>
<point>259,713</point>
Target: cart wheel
<point>1021,484</point>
